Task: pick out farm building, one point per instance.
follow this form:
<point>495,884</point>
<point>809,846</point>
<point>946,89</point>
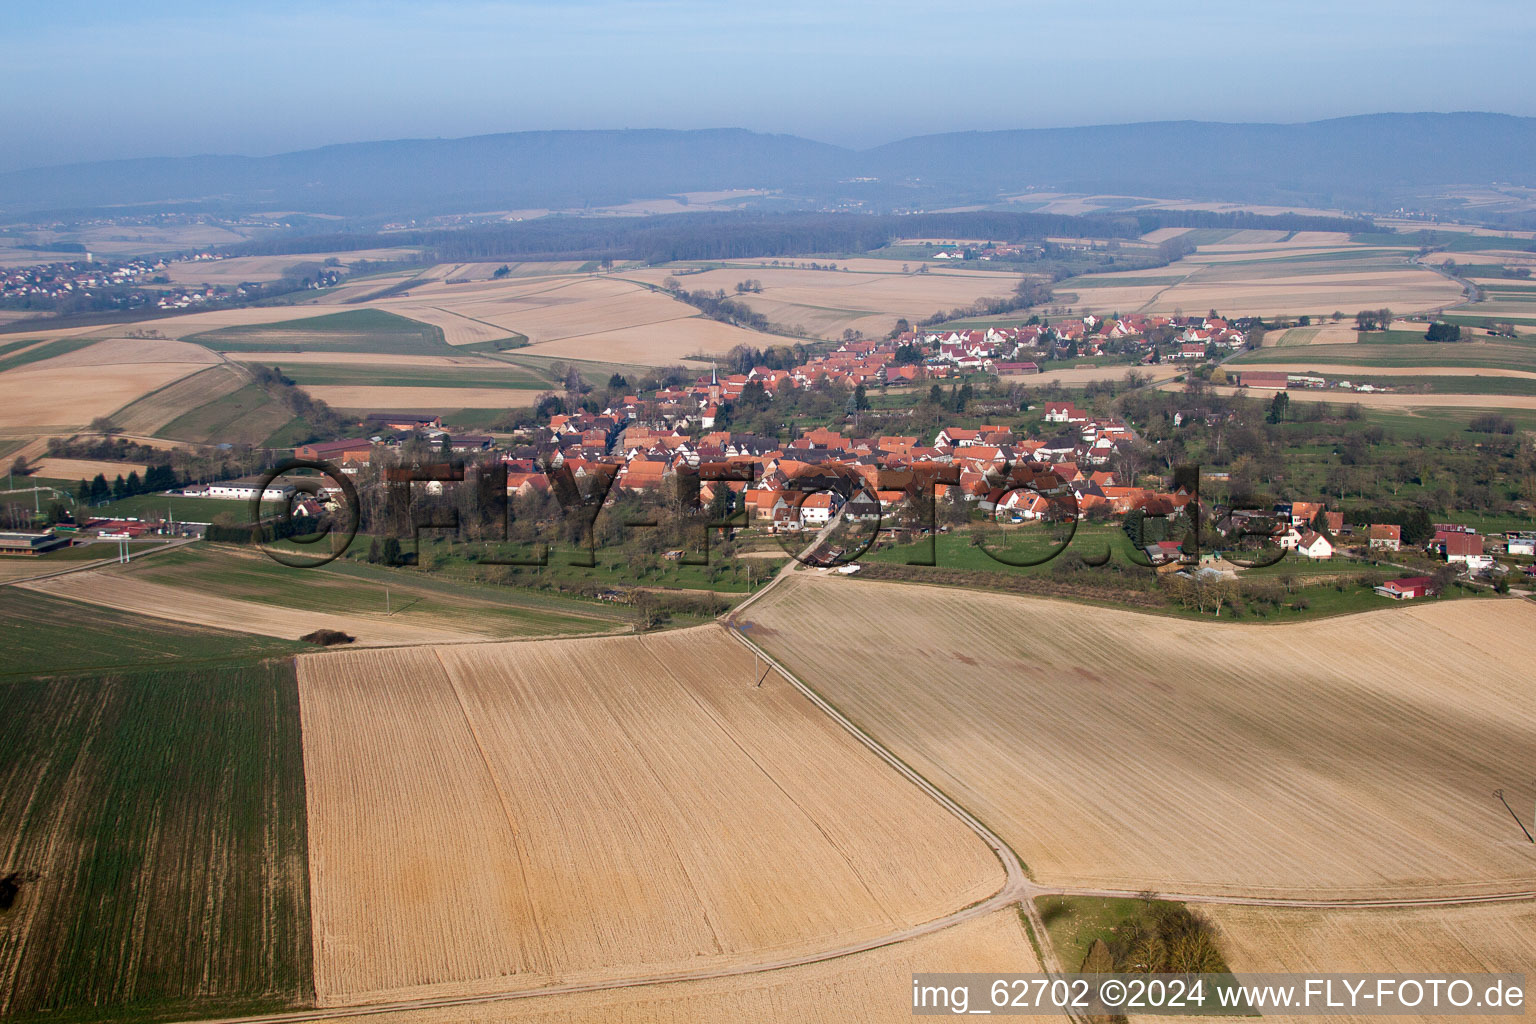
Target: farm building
<point>1407,588</point>
<point>1520,543</point>
<point>1266,380</point>
<point>351,450</point>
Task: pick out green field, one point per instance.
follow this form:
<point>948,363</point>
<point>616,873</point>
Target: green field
<point>355,587</point>
<point>47,635</point>
<point>363,330</point>
<point>1074,923</point>
<point>1432,385</point>
<point>409,376</point>
<point>155,820</point>
<point>180,507</point>
<point>249,416</point>
<point>1496,354</point>
<point>45,351</point>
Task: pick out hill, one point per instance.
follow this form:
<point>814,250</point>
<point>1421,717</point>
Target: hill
<point>1364,162</point>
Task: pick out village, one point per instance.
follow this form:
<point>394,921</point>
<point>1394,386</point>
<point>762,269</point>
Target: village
<point>646,445</point>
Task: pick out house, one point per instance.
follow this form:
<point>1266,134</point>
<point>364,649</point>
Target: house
<point>863,507</point>
<point>1314,545</point>
<point>1467,549</point>
<point>1407,588</point>
<point>817,509</point>
<point>1386,536</point>
<point>1064,412</point>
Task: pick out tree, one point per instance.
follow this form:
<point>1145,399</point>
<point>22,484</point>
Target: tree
<point>1279,408</point>
<point>861,399</point>
<point>19,466</point>
<point>1443,332</point>
<point>389,553</point>
<point>936,395</point>
<point>103,425</point>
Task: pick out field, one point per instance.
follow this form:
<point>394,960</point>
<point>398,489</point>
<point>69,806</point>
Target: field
<point>72,388</point>
<point>246,591</point>
<point>374,398</point>
<point>151,413</point>
<point>1493,938</point>
<point>491,817</point>
<point>358,330</point>
<point>1347,757</point>
<point>242,269</point>
<point>872,987</point>
<point>1474,397</point>
<point>1419,356</point>
<point>1248,277</point>
<point>156,820</point>
<point>480,373</point>
<point>85,469</point>
<point>868,297</point>
<point>47,635</point>
<point>248,415</point>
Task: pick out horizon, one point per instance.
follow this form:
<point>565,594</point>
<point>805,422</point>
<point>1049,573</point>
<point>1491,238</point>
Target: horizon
<point>211,154</point>
<point>852,76</point>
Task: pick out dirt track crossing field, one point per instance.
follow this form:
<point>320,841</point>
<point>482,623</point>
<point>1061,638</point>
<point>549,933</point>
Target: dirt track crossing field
<point>866,988</point>
<point>495,817</point>
<point>1347,758</point>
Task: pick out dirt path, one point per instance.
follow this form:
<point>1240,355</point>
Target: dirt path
<point>1018,889</point>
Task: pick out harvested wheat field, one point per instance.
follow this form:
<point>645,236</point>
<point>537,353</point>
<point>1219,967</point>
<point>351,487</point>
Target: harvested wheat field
<point>406,398</point>
<point>43,399</point>
<point>457,328</point>
<point>499,816</point>
<point>1349,757</point>
<point>659,344</point>
<point>828,302</point>
<point>111,588</point>
<point>873,987</point>
<point>1091,374</point>
<point>552,308</point>
<point>1489,938</point>
<point>240,269</point>
<point>1267,291</point>
<point>85,469</point>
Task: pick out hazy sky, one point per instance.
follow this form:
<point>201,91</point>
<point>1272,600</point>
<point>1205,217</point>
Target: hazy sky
<point>84,80</point>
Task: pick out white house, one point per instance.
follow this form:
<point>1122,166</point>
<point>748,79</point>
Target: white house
<point>817,509</point>
<point>1314,545</point>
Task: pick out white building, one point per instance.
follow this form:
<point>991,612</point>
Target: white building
<point>244,489</point>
